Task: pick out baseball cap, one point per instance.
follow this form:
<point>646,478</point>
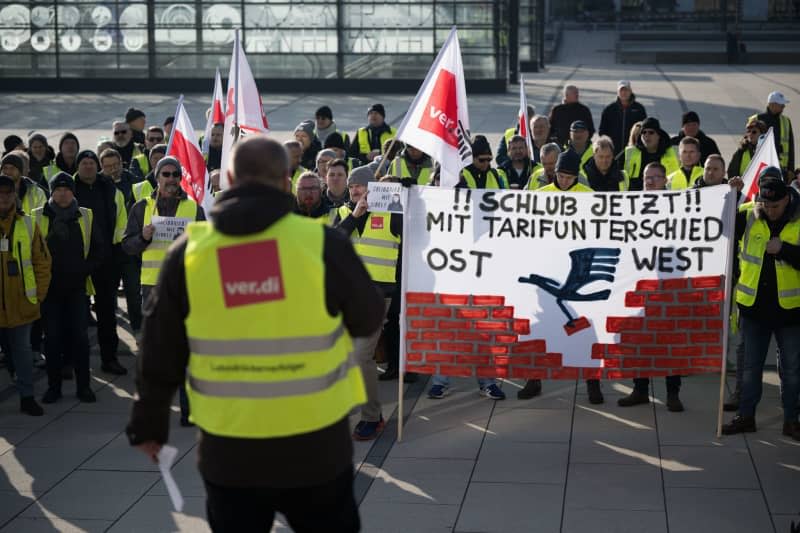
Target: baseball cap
<point>624,83</point>
<point>776,97</point>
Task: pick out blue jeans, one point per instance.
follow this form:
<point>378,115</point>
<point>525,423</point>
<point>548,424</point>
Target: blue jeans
<point>756,343</point>
<point>444,381</point>
<point>19,342</point>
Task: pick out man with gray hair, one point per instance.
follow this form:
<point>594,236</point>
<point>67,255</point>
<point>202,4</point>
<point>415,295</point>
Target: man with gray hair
<point>568,111</point>
<point>545,172</point>
<point>323,158</point>
<point>122,136</point>
<point>376,239</point>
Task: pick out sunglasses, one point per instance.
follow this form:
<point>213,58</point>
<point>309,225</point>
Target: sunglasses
<point>176,174</point>
<point>121,132</point>
<point>155,139</point>
<point>485,159</point>
<point>752,130</point>
<point>648,132</point>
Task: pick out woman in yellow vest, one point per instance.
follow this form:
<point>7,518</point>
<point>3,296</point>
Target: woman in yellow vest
<point>768,296</point>
<point>25,276</point>
<point>260,304</point>
<point>67,229</point>
<point>747,147</point>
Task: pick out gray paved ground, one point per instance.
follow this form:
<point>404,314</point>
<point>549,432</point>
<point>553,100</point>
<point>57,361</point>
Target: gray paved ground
<point>466,464</point>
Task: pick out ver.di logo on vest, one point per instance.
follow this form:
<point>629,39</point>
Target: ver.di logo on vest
<point>250,273</point>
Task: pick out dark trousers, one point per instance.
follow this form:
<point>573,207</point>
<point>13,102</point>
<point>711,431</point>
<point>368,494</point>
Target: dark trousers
<point>391,332</point>
<point>105,302</point>
<point>330,507</point>
<point>64,317</point>
<point>36,335</point>
<point>129,270</point>
<point>643,384</point>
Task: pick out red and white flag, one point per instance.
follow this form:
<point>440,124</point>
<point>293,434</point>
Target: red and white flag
<point>244,112</point>
<point>183,146</point>
<point>438,120</point>
<point>217,115</point>
<point>764,156</point>
<point>523,129</point>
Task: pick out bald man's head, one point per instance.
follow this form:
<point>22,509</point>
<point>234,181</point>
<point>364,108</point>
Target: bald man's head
<point>259,159</point>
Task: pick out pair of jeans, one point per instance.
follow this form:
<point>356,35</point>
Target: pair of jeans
<point>105,301</point>
<point>444,381</point>
<point>757,336</point>
<point>363,354</point>
<point>129,270</point>
<point>64,317</point>
<point>18,341</point>
<point>330,506</point>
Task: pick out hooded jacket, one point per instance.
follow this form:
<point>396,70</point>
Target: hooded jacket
<point>766,309</point>
<point>15,308</point>
<point>617,121</point>
<point>298,461</point>
<point>611,181</point>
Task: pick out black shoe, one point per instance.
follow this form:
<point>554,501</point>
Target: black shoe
<point>67,372</point>
<point>740,424</point>
<point>532,389</point>
<point>29,406</point>
<point>39,362</point>
<point>674,403</point>
<point>51,396</point>
<point>732,403</point>
<point>595,394</point>
<point>86,395</point>
<point>186,423</point>
<point>634,398</point>
<point>792,429</point>
<point>390,374</point>
<point>113,367</point>
<point>410,377</point>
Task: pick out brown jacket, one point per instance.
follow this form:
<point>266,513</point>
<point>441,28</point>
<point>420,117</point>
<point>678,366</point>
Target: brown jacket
<point>16,309</point>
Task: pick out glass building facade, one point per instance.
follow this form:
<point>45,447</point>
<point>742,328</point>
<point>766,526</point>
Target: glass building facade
<point>331,41</point>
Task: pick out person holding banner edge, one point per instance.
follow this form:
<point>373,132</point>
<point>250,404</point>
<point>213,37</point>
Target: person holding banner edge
<point>767,296</point>
<point>376,239</point>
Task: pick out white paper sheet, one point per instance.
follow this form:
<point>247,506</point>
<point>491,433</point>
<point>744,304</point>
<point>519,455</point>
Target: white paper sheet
<point>166,456</point>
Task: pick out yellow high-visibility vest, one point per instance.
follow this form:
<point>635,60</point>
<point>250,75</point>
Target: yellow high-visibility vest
<point>400,169</point>
<point>143,189</point>
<point>377,247</point>
<point>153,255</point>
<point>267,360</point>
<point>21,251</point>
<point>495,179</point>
<point>633,162</point>
<point>677,180</point>
<point>85,223</point>
<point>783,138</point>
<point>363,139</point>
<point>34,197</point>
<point>752,247</point>
<point>144,163</point>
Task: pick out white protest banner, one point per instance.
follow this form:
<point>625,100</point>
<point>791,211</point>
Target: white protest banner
<point>523,284</point>
<point>385,197</point>
<point>168,228</point>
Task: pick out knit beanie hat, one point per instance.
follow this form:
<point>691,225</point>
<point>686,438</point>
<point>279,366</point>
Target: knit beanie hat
<point>360,176</point>
<point>68,135</point>
<point>306,126</point>
<point>87,153</point>
<point>569,163</point>
<point>168,160</point>
<point>480,146</point>
<point>62,179</point>
<point>378,108</point>
<point>133,113</point>
<point>334,140</point>
<point>14,159</point>
<point>11,142</point>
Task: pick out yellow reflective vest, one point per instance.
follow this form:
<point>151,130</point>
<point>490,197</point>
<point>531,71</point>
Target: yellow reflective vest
<point>21,243</point>
<point>576,187</point>
<point>677,180</point>
<point>377,247</point>
<point>85,223</point>
<point>153,255</point>
<point>633,162</point>
<point>783,138</point>
<point>752,248</point>
<point>297,173</point>
<point>143,189</point>
<point>34,197</point>
<point>538,179</point>
<point>495,179</point>
<point>143,162</point>
<point>400,169</point>
<point>267,360</point>
<point>363,139</point>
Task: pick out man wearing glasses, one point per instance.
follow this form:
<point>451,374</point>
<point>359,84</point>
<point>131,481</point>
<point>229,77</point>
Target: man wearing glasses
<point>310,201</point>
<point>653,146</point>
<point>140,164</point>
<point>123,142</point>
<point>479,174</point>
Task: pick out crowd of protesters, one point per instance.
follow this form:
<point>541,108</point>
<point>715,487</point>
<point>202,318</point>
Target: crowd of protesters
<point>79,223</point>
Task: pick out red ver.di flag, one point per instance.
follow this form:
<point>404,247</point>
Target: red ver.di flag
<point>438,120</point>
<point>217,115</point>
<point>183,146</point>
<point>765,156</point>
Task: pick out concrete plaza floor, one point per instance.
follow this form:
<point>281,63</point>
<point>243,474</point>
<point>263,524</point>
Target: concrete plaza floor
<point>466,464</point>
